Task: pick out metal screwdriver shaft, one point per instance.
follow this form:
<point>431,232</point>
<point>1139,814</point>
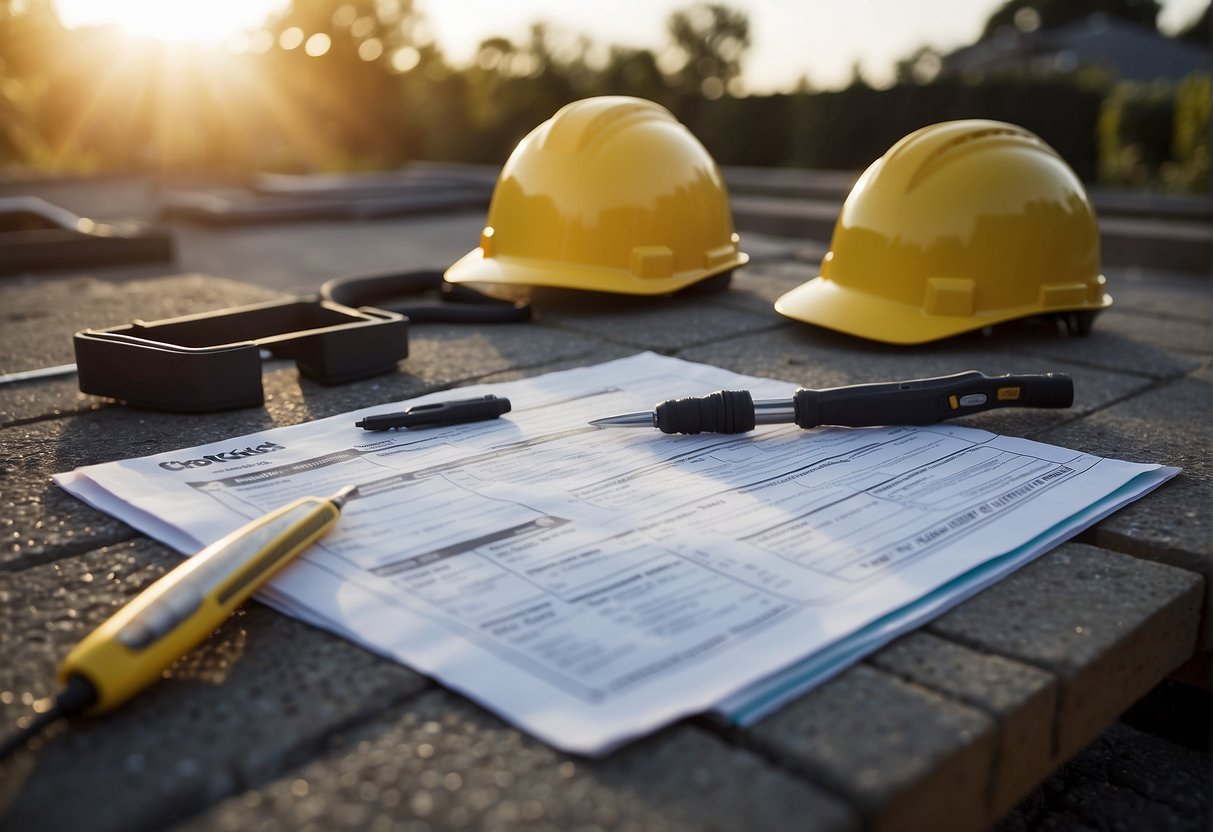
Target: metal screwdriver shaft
<point>915,402</point>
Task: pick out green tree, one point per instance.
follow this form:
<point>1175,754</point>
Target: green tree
<point>633,72</point>
<point>336,74</point>
<point>29,33</point>
<point>1051,13</point>
<point>1190,138</point>
<point>709,44</point>
<point>513,87</point>
<point>919,67</point>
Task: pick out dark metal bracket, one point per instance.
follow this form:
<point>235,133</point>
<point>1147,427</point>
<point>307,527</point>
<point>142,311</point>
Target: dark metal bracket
<point>212,361</point>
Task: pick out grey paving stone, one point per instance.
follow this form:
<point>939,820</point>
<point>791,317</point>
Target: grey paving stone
<point>1021,698</point>
<point>602,353</point>
<point>1169,425</point>
<point>1109,626</point>
<point>756,287</point>
<point>1180,335</point>
<point>39,521</point>
<point>905,757</point>
<point>34,401</point>
<point>441,763</point>
<point>36,327</point>
<point>1124,781</point>
<point>763,248</point>
<point>1168,295</point>
<point>263,693</point>
<point>298,257</point>
<point>184,746</point>
<point>1160,348</point>
<point>663,323</point>
<point>1159,325</point>
<point>440,355</point>
<point>778,216</point>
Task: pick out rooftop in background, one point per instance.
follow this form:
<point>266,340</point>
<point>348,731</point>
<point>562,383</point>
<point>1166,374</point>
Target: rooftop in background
<point>1128,51</point>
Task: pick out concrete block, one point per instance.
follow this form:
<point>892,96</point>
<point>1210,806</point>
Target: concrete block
<point>782,217</point>
<point>263,693</point>
<point>1107,351</point>
<point>298,257</point>
<point>1137,291</point>
<point>765,249</point>
<point>904,757</point>
<point>1157,348</point>
<point>1108,626</point>
<point>663,323</point>
<point>1170,425</point>
<point>40,522</point>
<point>1124,780</point>
<point>1021,699</point>
<point>602,353</point>
<point>441,763</point>
<point>1176,245</point>
<point>33,401</point>
<point>38,326</point>
<point>791,182</point>
<point>1159,325</point>
<point>440,355</point>
<point>756,287</point>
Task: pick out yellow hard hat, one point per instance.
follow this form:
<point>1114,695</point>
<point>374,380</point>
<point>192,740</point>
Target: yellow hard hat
<point>958,226</point>
<point>611,194</point>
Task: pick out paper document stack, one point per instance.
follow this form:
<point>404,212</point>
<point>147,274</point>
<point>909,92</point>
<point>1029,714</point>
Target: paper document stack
<point>593,585</point>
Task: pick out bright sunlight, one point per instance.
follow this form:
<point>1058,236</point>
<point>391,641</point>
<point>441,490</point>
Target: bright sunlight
<point>214,21</point>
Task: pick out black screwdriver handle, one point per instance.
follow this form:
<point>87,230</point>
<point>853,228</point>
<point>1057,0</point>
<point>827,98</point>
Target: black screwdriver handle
<point>725,411</point>
<point>927,400</point>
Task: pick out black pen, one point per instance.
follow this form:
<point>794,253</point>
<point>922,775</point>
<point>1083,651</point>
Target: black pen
<point>439,413</point>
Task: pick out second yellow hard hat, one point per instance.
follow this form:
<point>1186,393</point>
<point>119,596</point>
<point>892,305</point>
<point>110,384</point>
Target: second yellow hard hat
<point>958,226</point>
<point>610,194</point>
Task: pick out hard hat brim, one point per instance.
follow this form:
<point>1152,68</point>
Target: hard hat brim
<point>474,267</point>
<point>826,304</point>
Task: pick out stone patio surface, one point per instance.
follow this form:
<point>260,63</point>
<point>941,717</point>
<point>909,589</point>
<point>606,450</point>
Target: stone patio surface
<point>273,724</point>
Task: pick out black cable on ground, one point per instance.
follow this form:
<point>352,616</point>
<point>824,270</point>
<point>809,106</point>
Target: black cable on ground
<point>76,695</point>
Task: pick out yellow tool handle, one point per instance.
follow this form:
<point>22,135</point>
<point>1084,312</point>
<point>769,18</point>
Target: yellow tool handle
<point>132,649</point>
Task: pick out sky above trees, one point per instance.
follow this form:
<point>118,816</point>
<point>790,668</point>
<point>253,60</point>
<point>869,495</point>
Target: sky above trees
<point>823,41</point>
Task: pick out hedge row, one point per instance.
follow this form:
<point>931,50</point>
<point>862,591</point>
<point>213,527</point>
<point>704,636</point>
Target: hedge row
<point>849,128</point>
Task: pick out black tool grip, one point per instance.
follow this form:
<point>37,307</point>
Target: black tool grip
<point>439,413</point>
<point>927,400</point>
<point>725,411</point>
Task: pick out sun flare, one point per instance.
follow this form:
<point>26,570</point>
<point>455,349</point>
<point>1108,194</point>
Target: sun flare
<point>170,20</point>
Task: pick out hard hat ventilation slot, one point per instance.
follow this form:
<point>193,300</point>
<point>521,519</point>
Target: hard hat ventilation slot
<point>947,148</point>
<point>574,129</point>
